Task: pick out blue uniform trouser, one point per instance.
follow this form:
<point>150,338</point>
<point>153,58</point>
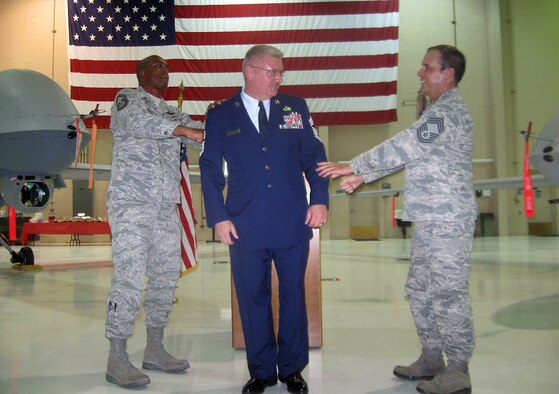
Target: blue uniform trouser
<point>437,287</point>
<point>252,277</point>
<point>146,242</point>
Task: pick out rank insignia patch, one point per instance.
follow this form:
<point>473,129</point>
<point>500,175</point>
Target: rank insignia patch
<point>430,130</point>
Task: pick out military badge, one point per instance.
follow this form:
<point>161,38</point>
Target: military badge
<point>430,130</point>
<point>121,102</point>
<point>286,109</point>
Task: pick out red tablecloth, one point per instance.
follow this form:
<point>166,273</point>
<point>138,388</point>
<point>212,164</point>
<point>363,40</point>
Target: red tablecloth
<point>78,228</point>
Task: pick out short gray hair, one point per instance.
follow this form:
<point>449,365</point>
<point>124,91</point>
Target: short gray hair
<point>261,51</point>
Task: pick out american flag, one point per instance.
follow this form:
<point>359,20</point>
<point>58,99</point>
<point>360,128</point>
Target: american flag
<point>189,248</point>
<point>339,55</point>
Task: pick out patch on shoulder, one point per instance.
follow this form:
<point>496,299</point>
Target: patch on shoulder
<point>430,130</point>
<point>121,101</point>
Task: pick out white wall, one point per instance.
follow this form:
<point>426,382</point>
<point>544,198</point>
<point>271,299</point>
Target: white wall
<point>510,50</point>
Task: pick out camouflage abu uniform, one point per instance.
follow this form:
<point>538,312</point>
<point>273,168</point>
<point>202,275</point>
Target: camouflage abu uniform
<point>142,199</point>
<point>436,152</point>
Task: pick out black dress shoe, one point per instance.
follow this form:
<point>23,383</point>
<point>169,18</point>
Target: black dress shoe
<point>295,383</point>
<point>259,385</point>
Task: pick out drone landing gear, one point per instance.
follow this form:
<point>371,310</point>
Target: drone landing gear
<point>25,255</point>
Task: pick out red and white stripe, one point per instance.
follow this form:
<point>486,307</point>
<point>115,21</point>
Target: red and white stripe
<point>189,251</point>
<point>339,55</point>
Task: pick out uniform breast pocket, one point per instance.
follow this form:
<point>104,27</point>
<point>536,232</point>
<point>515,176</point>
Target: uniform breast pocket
<point>289,139</point>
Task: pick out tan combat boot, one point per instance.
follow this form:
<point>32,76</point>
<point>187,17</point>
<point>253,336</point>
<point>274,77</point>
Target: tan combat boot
<point>157,358</point>
<point>425,368</point>
<point>120,370</point>
<point>454,380</point>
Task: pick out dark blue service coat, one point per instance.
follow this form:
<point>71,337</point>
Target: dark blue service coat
<point>266,196</point>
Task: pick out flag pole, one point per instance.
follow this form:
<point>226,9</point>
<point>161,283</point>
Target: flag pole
<point>189,253</point>
<point>181,97</point>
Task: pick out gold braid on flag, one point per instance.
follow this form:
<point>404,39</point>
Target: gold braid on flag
<point>181,98</point>
<point>421,104</point>
<point>189,247</point>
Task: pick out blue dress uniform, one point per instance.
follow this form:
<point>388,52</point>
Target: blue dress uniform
<point>267,203</point>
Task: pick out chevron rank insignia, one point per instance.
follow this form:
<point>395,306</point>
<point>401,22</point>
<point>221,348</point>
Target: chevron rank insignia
<point>430,130</point>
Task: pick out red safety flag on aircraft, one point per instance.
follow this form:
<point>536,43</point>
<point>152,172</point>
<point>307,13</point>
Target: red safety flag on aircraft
<point>528,190</point>
<point>12,234</point>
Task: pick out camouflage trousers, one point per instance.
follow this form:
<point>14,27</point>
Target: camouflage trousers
<point>437,287</point>
<point>146,243</point>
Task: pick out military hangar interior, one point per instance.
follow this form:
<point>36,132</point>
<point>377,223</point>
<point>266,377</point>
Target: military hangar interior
<point>54,314</point>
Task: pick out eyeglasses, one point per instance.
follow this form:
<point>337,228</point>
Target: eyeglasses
<point>271,72</point>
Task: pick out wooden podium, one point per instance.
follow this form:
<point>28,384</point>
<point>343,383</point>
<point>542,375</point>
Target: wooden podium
<point>313,297</point>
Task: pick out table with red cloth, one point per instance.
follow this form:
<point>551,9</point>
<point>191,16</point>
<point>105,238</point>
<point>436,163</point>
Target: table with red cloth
<point>75,229</point>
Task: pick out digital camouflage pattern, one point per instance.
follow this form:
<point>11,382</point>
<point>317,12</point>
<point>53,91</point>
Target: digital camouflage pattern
<point>437,287</point>
<point>436,152</point>
<point>146,156</point>
<point>146,242</point>
<point>142,200</point>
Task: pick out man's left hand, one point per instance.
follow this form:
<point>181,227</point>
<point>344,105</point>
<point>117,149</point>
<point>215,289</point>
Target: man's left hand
<point>333,170</point>
<point>317,216</point>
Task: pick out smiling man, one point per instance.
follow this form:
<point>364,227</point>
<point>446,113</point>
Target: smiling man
<point>142,201</point>
<point>269,142</point>
<point>436,152</point>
